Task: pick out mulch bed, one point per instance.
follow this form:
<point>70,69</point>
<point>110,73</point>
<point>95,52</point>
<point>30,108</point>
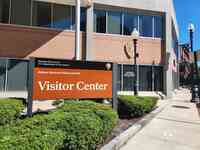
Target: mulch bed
<point>122,125</point>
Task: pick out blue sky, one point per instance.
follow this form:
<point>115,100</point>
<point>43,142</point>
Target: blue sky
<point>188,11</point>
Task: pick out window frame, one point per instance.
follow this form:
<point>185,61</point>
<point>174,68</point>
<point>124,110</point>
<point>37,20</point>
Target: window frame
<point>11,14</point>
<point>35,24</point>
<point>120,15</point>
<point>8,10</point>
<point>121,12</point>
<point>135,13</point>
<point>51,27</point>
<point>162,26</point>
<point>141,25</point>
<point>96,11</point>
<point>53,17</point>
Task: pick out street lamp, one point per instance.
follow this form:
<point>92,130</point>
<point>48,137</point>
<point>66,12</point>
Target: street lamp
<point>77,31</point>
<point>88,3</point>
<point>135,35</point>
<point>194,89</point>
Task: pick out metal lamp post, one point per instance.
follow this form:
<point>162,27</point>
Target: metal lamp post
<point>135,35</point>
<point>194,89</point>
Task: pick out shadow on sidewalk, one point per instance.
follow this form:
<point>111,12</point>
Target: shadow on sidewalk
<point>181,107</point>
<point>198,108</point>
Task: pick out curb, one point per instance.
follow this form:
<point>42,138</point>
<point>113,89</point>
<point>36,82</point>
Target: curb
<point>123,138</point>
<point>120,140</point>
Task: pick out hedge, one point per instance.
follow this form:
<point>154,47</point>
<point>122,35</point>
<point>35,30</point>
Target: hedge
<point>78,126</point>
<point>149,103</point>
<point>104,112</point>
<point>130,106</point>
<point>10,110</point>
<point>36,139</point>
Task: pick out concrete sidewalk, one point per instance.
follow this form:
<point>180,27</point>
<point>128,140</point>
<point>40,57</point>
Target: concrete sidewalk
<point>177,127</point>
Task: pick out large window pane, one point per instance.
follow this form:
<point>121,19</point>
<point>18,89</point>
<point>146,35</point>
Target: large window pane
<point>145,78</point>
<point>158,78</point>
<point>128,77</point>
<point>4,11</point>
<point>62,16</point>
<point>130,22</point>
<point>114,23</point>
<point>21,12</point>
<point>2,74</point>
<point>83,19</point>
<point>158,26</point>
<point>73,11</point>
<point>41,14</point>
<point>17,75</point>
<point>119,77</point>
<point>146,26</point>
<point>99,21</point>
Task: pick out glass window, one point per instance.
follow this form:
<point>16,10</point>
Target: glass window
<point>128,77</point>
<point>4,11</point>
<point>158,26</point>
<point>100,21</point>
<point>158,78</point>
<point>41,14</point>
<point>17,75</point>
<point>146,26</point>
<point>73,27</point>
<point>130,22</point>
<point>114,23</point>
<point>145,79</point>
<point>2,74</point>
<point>83,19</point>
<point>21,12</point>
<point>62,16</point>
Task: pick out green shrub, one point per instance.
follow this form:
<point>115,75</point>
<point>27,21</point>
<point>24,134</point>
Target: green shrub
<point>130,106</point>
<point>105,113</point>
<point>10,110</point>
<point>78,126</point>
<point>82,130</point>
<point>70,106</point>
<point>109,119</point>
<point>148,102</point>
<point>36,139</point>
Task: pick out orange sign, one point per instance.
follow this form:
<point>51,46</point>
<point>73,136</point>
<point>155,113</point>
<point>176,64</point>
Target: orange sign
<point>60,83</point>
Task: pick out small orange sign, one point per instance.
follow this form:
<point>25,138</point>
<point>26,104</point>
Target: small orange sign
<point>60,83</point>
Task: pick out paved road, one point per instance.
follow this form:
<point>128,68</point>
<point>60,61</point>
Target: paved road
<point>177,127</point>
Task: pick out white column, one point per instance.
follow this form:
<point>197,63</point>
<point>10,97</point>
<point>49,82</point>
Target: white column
<point>168,81</point>
<point>77,38</point>
<point>89,33</point>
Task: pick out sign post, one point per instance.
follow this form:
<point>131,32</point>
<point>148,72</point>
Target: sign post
<point>54,79</point>
<point>114,87</point>
<point>30,86</point>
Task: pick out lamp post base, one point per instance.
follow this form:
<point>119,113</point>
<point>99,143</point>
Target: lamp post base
<point>135,91</point>
<point>194,100</point>
<point>195,94</point>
